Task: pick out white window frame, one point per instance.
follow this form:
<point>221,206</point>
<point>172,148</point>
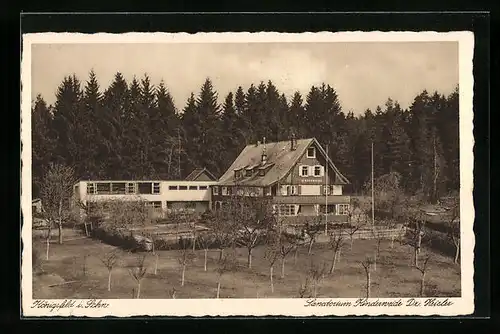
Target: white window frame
<point>92,187</point>
<point>294,190</point>
<point>287,210</point>
<point>313,150</point>
<point>155,188</point>
<point>340,209</point>
<point>302,169</point>
<point>317,167</point>
<point>130,188</point>
<point>216,190</point>
<point>224,191</point>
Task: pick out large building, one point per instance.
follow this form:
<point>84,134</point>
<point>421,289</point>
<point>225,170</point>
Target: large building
<point>297,174</point>
<point>192,194</point>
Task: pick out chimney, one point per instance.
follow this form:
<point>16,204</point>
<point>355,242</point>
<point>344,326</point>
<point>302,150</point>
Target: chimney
<point>264,156</point>
<point>293,142</point>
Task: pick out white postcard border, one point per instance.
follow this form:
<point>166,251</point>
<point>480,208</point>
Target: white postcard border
<point>257,307</point>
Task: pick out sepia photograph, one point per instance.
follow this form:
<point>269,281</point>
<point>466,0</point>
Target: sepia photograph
<point>247,174</point>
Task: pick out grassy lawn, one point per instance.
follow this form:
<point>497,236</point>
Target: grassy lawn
<point>394,276</point>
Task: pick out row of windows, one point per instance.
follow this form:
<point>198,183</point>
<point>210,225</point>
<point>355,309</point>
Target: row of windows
<point>242,191</point>
<point>294,209</point>
<point>187,187</point>
<point>314,171</point>
<point>129,188</point>
<point>112,188</point>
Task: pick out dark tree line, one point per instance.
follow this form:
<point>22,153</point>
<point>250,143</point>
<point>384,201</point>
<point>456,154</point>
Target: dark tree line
<point>134,130</point>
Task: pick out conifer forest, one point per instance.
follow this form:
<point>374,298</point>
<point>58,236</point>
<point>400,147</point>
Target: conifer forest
<point>135,130</point>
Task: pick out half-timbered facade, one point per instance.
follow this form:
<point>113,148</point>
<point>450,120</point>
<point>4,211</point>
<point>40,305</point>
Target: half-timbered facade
<point>297,174</point>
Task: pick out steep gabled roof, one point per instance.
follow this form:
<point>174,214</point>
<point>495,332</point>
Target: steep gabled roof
<point>280,160</point>
<point>193,176</point>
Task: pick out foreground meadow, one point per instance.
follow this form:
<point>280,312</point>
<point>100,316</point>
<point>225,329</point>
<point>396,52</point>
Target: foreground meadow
<point>75,270</point>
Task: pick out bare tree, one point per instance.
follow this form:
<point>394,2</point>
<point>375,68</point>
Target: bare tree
<point>288,243</point>
<point>415,231</point>
<point>423,269</point>
<point>367,265</point>
<point>205,240</point>
<point>316,273</point>
<point>223,232</point>
<point>336,243</point>
<point>305,289</point>
<point>138,273</point>
<point>226,264</point>
<point>272,254</point>
<point>110,260</point>
<point>186,257</point>
<point>356,219</point>
<point>55,193</point>
<point>173,293</point>
<point>311,230</point>
<point>47,237</point>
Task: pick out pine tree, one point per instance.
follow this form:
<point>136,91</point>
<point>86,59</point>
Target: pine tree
<point>296,115</point>
<point>209,141</point>
<point>191,134</point>
<point>250,115</point>
<point>166,156</point>
<point>113,123</point>
<point>42,141</point>
<point>92,109</point>
<point>231,138</point>
<point>67,125</point>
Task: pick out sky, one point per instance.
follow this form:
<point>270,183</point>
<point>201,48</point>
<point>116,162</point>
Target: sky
<point>364,74</point>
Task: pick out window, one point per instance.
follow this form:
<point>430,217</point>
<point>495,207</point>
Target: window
<point>311,152</point>
<point>183,187</point>
<point>326,190</point>
<point>293,190</point>
<point>267,191</point>
<point>317,171</point>
<point>304,170</point>
<point>330,209</point>
<point>237,174</point>
<point>262,172</point>
<point>248,172</point>
<point>202,187</point>
<point>284,191</point>
<point>287,210</point>
<point>343,209</point>
<point>240,192</point>
<point>224,191</point>
<point>154,205</point>
<point>216,190</point>
<point>130,188</point>
<point>156,187</point>
<point>118,188</point>
<point>172,187</point>
<point>144,187</point>
<point>103,188</point>
<point>193,187</point>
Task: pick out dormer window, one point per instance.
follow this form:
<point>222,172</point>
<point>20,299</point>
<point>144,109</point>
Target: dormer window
<point>262,172</point>
<point>248,172</point>
<point>237,174</point>
<point>311,152</point>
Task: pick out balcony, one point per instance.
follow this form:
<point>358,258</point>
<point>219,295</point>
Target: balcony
<point>312,199</point>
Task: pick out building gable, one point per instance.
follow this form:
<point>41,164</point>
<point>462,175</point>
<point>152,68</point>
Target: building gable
<point>281,160</point>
